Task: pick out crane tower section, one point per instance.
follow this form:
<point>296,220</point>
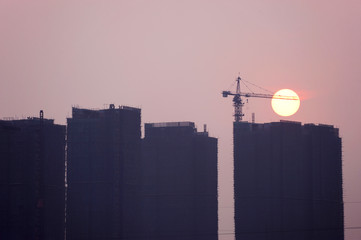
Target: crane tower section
<point>237,103</point>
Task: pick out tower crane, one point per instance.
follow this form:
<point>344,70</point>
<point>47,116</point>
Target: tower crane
<point>238,101</point>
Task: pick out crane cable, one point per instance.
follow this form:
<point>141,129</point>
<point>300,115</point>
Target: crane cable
<point>246,86</point>
<point>257,86</point>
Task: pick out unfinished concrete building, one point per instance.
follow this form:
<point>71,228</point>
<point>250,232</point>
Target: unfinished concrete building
<point>32,182</point>
<point>287,181</point>
<point>179,185</point>
<point>103,173</point>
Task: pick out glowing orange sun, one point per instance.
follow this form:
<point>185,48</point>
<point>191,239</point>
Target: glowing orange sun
<point>285,102</point>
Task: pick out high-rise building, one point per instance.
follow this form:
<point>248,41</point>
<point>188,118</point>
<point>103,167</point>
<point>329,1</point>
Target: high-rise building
<point>32,180</point>
<point>103,176</point>
<point>179,185</point>
<point>287,181</point>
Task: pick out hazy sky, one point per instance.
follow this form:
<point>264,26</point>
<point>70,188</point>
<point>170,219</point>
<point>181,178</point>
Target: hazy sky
<point>173,59</point>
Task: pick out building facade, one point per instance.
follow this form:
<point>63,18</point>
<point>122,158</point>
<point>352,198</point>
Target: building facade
<point>32,180</point>
<point>103,175</point>
<point>179,185</point>
<point>287,181</point>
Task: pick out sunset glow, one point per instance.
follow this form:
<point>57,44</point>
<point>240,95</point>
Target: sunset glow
<point>285,102</point>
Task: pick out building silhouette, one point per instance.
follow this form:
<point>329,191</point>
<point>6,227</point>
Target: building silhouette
<point>287,181</point>
<point>32,180</point>
<point>179,185</point>
<point>103,173</point>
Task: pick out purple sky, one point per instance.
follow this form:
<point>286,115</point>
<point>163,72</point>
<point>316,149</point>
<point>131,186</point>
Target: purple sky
<point>173,59</point>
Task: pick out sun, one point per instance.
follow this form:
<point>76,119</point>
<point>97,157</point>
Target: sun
<point>285,102</point>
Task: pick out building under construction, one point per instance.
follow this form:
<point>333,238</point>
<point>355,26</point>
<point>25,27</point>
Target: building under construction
<point>287,181</point>
<point>103,173</point>
<point>179,185</point>
<point>32,181</point>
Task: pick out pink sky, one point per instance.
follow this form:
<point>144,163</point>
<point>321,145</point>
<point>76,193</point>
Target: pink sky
<point>173,59</point>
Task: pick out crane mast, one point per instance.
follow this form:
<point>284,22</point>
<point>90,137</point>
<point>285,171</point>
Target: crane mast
<point>238,101</point>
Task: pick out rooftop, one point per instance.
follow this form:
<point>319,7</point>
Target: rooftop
<point>171,124</point>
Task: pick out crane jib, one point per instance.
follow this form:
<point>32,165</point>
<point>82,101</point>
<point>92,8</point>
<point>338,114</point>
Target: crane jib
<point>259,95</point>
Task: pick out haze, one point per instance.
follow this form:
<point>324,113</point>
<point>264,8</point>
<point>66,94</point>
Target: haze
<point>173,58</point>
